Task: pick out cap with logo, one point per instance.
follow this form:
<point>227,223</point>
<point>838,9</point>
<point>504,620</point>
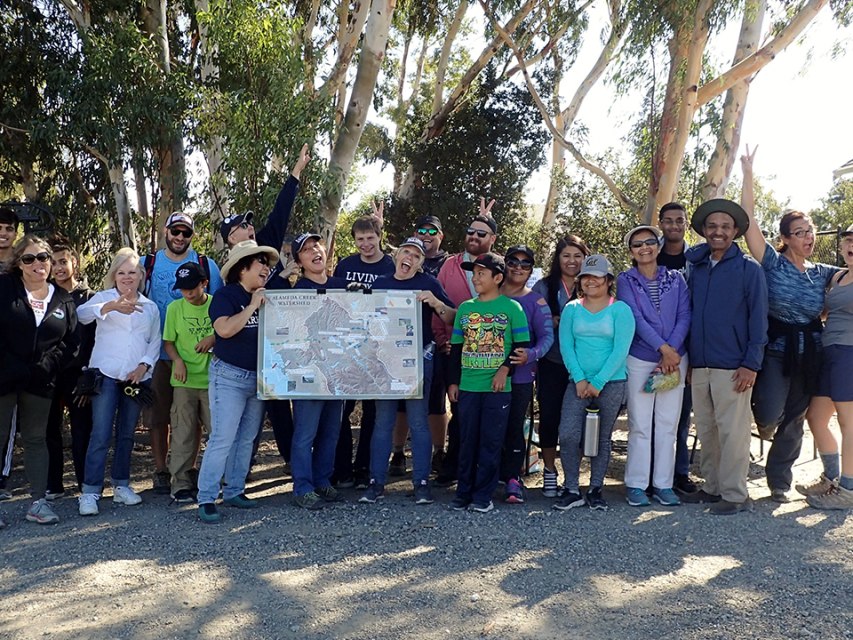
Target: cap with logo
<point>491,261</point>
<point>180,218</point>
<point>300,240</point>
<point>414,242</point>
<point>431,220</point>
<point>232,221</point>
<point>596,265</point>
<point>189,275</point>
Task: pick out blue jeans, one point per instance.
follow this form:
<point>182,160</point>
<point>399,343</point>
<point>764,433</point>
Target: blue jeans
<point>482,427</point>
<point>105,406</point>
<point>235,414</point>
<point>316,424</point>
<point>417,415</point>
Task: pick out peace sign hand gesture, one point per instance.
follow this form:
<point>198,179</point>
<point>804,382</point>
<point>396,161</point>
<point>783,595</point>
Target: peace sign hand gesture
<point>378,212</point>
<point>486,210</point>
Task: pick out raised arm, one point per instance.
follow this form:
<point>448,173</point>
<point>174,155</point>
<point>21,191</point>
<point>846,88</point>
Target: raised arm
<point>754,237</point>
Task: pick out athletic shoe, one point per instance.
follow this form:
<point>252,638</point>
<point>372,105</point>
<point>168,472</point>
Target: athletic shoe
<point>481,507</point>
<point>374,492</point>
<point>549,483</point>
<point>700,496</point>
<point>637,497</point>
<point>782,496</point>
<point>570,500</point>
<point>422,493</point>
<point>682,484</point>
<point>397,467</point>
<point>729,508</point>
<point>667,497</point>
<point>310,501</point>
<point>50,496</point>
<point>460,504</point>
<point>817,488</point>
<point>125,495</point>
<point>329,494</point>
<point>42,512</point>
<point>362,479</point>
<point>596,500</point>
<point>347,483</point>
<point>183,496</point>
<point>514,492</point>
<point>836,497</point>
<point>161,482</point>
<point>88,504</point>
<point>208,513</point>
<point>241,501</point>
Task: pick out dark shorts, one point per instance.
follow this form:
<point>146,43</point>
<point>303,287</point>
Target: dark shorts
<point>836,373</point>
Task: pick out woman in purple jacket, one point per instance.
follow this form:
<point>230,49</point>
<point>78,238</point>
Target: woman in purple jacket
<point>660,302</point>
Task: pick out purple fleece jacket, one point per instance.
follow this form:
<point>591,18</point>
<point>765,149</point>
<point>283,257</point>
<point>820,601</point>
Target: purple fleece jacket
<point>655,328</point>
<point>541,334</point>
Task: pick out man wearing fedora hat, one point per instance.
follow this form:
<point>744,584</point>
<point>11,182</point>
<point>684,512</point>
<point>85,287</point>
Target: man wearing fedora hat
<point>727,337</point>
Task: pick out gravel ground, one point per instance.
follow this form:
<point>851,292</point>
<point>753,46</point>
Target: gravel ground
<point>395,570</point>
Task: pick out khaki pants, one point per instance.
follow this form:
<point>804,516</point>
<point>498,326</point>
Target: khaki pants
<point>723,420</point>
<point>190,410</point>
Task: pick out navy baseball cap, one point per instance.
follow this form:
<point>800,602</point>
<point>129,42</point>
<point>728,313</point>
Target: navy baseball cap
<point>189,275</point>
<point>491,261</point>
<point>414,242</point>
<point>300,240</point>
<point>234,221</point>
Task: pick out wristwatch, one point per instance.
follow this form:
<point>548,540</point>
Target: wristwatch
<point>146,365</point>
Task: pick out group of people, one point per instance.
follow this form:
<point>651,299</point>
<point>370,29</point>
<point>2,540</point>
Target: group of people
<point>173,338</point>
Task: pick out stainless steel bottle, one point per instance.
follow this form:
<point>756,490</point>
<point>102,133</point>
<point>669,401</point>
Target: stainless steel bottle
<point>590,431</point>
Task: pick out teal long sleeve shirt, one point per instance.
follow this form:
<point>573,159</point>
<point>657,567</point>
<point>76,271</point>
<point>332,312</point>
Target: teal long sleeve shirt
<point>595,345</point>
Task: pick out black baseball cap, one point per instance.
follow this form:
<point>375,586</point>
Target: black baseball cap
<point>491,261</point>
<point>432,220</point>
<point>234,221</point>
<point>489,222</point>
<point>300,240</point>
<point>189,275</point>
<point>522,248</point>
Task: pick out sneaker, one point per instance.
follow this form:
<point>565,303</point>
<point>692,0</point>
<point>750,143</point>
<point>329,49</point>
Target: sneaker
<point>329,494</point>
<point>423,495</point>
<point>549,483</point>
<point>682,484</point>
<point>362,479</point>
<point>819,487</point>
<point>570,500</point>
<point>729,508</point>
<point>481,507</point>
<point>437,461</point>
<point>514,492</point>
<point>700,496</point>
<point>460,504</point>
<point>442,480</point>
<point>241,501</point>
<point>347,483</point>
<point>596,500</point>
<point>310,501</point>
<point>161,482</point>
<point>836,497</point>
<point>667,497</point>
<point>397,467</point>
<point>42,512</point>
<point>375,491</point>
<point>54,495</point>
<point>637,497</point>
<point>782,496</point>
<point>183,496</point>
<point>208,513</point>
<point>88,504</point>
<point>125,495</point>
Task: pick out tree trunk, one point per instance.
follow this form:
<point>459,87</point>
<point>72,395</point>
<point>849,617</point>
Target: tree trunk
<point>557,150</point>
<point>127,234</point>
<point>444,59</point>
<point>369,64</point>
<point>728,138</point>
<point>28,181</point>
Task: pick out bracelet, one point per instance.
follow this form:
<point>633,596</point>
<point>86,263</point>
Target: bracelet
<point>443,309</point>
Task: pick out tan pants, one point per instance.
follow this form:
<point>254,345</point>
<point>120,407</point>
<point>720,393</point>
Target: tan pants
<point>723,420</point>
<point>190,410</point>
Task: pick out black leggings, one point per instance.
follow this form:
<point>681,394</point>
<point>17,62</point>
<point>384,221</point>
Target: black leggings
<point>551,379</point>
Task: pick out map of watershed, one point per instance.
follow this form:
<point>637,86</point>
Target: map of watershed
<point>340,345</point>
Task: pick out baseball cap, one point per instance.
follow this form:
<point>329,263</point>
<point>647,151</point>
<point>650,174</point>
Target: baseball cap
<point>491,261</point>
<point>179,217</point>
<point>490,222</point>
<point>596,265</point>
<point>233,221</point>
<point>522,248</point>
<point>300,240</point>
<point>432,220</point>
<point>414,242</point>
<point>848,232</point>
<point>189,275</point>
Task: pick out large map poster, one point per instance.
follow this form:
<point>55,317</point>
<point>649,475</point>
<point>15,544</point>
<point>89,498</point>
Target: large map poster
<point>340,345</point>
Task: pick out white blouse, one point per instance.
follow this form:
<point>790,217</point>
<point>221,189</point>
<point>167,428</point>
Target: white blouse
<point>122,342</point>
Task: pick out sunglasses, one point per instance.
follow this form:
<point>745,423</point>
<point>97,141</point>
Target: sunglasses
<point>29,258</point>
<point>526,265</point>
<point>427,232</point>
<point>181,232</point>
<point>480,233</point>
<point>263,260</point>
<point>242,225</point>
<point>636,244</point>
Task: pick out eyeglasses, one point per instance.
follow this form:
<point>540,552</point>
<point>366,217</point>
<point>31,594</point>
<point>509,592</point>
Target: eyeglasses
<point>263,260</point>
<point>428,232</point>
<point>802,233</point>
<point>525,265</point>
<point>29,258</point>
<point>636,244</point>
<point>480,233</point>
<point>678,222</point>
<point>242,225</point>
<point>181,232</point>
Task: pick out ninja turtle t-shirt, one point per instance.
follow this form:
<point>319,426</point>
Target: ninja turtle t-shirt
<point>187,325</point>
<point>487,331</point>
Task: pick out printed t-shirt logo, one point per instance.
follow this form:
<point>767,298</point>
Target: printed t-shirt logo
<point>484,340</point>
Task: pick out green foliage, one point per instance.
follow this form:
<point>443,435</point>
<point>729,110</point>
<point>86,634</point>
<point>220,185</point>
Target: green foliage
<point>836,208</point>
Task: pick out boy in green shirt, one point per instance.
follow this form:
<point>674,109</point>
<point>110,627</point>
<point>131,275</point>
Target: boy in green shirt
<point>486,330</point>
<point>188,340</point>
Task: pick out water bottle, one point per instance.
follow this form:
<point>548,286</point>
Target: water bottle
<point>429,350</point>
<point>590,431</point>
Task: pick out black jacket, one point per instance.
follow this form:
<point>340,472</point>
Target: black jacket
<point>81,294</point>
<point>30,356</point>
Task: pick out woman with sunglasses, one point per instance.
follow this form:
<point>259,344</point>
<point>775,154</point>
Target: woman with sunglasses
<point>38,339</point>
<point>235,410</point>
<point>519,265</point>
<point>796,291</point>
<point>558,288</point>
<point>660,303</point>
<point>127,319</point>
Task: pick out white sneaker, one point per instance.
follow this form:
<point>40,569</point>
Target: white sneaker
<point>88,504</point>
<point>125,495</point>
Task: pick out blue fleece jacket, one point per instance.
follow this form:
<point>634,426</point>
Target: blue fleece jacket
<point>729,327</point>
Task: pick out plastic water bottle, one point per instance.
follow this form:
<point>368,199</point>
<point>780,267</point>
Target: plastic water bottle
<point>590,431</point>
<point>429,351</point>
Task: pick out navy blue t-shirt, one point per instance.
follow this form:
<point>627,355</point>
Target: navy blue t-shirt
<point>241,349</point>
<point>331,283</point>
<point>418,282</point>
<point>354,269</point>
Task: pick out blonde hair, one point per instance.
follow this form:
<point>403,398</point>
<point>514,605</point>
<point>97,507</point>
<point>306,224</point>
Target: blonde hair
<point>123,255</point>
<point>396,252</point>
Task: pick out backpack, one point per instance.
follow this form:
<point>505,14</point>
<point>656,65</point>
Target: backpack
<point>148,265</point>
